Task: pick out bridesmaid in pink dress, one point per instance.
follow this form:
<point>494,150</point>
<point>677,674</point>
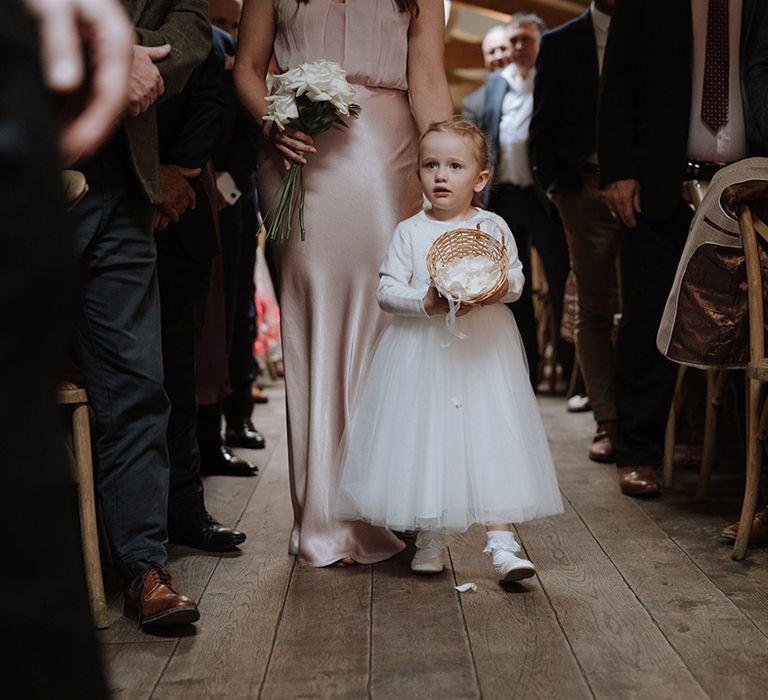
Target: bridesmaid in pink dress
<point>360,182</point>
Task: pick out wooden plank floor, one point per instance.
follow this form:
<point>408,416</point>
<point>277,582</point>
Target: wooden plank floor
<point>633,599</point>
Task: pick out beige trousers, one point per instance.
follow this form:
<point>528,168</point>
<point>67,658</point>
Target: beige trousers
<point>594,241</point>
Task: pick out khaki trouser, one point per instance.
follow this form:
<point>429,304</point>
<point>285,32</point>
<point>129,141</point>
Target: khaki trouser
<point>593,241</point>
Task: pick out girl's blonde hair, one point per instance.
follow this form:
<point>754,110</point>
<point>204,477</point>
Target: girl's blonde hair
<point>465,129</point>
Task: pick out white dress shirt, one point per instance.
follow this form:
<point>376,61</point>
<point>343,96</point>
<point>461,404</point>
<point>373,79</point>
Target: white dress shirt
<point>729,142</point>
<point>601,22</point>
<point>514,166</point>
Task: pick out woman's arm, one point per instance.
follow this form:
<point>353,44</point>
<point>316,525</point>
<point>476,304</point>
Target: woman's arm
<point>254,50</point>
<point>427,84</point>
<point>256,39</point>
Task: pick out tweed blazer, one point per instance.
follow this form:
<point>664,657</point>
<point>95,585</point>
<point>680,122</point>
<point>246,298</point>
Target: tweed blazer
<point>184,25</point>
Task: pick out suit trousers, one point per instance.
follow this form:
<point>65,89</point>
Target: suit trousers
<point>530,224</point>
<point>184,280</point>
<point>594,238</point>
<point>242,366</point>
<point>238,249</point>
<point>46,633</point>
<point>645,379</point>
<point>118,349</point>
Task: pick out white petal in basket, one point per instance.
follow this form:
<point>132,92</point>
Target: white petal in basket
<point>468,265</point>
<point>468,276</point>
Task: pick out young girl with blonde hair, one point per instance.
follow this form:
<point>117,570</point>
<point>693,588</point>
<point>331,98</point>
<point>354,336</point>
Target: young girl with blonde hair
<point>446,432</point>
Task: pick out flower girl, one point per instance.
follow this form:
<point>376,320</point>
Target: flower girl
<point>445,431</point>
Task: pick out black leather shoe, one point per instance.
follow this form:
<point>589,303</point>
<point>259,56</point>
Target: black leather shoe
<point>204,532</point>
<point>226,463</point>
<point>244,435</point>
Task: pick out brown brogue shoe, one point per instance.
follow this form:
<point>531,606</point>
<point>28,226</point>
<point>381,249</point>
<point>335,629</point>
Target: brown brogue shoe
<point>639,481</point>
<point>601,449</point>
<point>759,534</point>
<point>158,602</point>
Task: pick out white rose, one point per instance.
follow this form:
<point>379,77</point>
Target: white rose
<point>282,108</point>
<point>322,81</point>
<point>336,91</point>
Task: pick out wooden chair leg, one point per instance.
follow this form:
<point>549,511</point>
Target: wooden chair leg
<point>81,431</point>
<point>669,434</point>
<point>754,460</point>
<point>715,386</point>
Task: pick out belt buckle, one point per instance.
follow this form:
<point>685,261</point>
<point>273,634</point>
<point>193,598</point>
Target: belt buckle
<point>694,167</point>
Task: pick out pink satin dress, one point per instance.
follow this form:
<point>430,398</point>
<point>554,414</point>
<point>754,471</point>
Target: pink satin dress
<point>362,181</point>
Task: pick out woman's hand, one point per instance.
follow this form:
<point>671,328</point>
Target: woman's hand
<point>291,143</point>
<point>498,296</point>
<point>435,303</point>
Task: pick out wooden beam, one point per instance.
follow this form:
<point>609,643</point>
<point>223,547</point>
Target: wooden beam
<point>553,12</point>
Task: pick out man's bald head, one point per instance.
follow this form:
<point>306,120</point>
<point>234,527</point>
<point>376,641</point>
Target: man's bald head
<point>225,14</point>
<point>497,48</point>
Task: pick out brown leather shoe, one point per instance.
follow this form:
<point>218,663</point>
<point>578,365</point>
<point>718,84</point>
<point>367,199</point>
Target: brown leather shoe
<point>157,601</point>
<point>601,449</point>
<point>759,534</point>
<point>639,481</point>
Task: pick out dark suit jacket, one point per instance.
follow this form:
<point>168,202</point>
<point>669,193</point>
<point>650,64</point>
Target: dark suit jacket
<point>645,95</point>
<point>563,126</point>
<point>189,127</point>
<point>184,25</point>
<point>236,150</point>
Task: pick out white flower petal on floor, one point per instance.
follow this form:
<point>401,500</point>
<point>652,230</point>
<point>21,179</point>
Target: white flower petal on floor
<point>464,587</point>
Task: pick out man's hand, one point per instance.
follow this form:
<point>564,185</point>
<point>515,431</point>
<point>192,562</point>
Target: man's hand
<point>623,200</point>
<point>742,193</point>
<point>70,31</point>
<point>178,195</point>
<point>160,221</point>
<point>435,303</point>
<point>146,84</point>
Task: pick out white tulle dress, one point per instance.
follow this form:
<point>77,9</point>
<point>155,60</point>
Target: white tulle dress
<point>445,432</point>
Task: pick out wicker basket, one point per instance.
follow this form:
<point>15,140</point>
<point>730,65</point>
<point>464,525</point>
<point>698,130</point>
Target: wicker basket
<point>461,242</point>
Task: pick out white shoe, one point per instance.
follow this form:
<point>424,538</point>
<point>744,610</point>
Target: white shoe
<point>508,565</point>
<point>429,557</point>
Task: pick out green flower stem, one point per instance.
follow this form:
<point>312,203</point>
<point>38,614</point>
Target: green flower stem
<point>302,192</point>
<point>283,214</point>
<point>314,118</point>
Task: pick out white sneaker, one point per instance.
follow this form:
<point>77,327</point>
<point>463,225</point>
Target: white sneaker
<point>430,550</point>
<point>508,565</point>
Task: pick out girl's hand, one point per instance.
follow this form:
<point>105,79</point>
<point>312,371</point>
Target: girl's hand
<point>291,143</point>
<point>499,295</point>
<point>435,303</point>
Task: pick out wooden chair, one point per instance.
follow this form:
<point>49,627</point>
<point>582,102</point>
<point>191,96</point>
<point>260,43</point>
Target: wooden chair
<point>750,226</point>
<point>545,323</point>
<point>716,381</point>
<point>74,397</point>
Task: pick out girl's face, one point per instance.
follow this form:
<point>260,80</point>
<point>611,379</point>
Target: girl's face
<point>449,172</point>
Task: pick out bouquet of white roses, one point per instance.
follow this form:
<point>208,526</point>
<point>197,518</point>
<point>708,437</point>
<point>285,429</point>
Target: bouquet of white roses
<point>311,98</point>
